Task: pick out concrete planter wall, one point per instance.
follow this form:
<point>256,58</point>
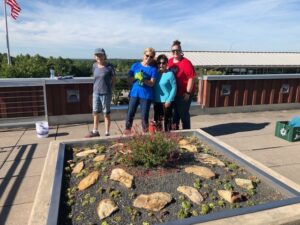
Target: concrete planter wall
<point>47,201</point>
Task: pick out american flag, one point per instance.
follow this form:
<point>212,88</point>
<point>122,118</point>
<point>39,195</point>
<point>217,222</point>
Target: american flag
<point>15,8</point>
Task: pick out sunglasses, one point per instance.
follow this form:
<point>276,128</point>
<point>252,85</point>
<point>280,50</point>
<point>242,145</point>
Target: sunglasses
<point>161,63</point>
<point>176,51</point>
<point>149,56</point>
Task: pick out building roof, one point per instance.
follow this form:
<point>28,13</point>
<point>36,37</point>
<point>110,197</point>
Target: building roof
<point>238,59</point>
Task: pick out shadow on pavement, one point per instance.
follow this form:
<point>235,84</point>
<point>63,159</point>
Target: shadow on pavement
<point>18,181</point>
<point>59,134</point>
<point>230,128</point>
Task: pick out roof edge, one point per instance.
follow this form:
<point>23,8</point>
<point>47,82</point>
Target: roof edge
<point>231,51</point>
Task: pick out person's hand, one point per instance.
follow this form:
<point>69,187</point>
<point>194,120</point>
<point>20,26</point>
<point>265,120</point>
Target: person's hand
<point>186,96</point>
<point>167,104</point>
<point>139,76</point>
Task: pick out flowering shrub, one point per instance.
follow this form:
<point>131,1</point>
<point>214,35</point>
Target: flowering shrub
<point>152,150</point>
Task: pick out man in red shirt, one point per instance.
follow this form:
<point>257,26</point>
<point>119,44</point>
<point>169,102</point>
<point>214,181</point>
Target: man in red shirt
<point>184,74</point>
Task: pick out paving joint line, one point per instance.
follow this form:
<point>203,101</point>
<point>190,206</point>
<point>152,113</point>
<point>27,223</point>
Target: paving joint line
<point>290,164</point>
<point>13,147</point>
<point>23,203</point>
<point>40,157</point>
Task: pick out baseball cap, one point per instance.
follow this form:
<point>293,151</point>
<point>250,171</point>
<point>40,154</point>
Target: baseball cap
<point>99,51</point>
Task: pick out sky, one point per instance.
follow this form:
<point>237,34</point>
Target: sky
<point>74,28</point>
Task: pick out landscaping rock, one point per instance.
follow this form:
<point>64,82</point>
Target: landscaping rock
<point>189,148</point>
<point>99,158</point>
<point>86,153</point>
<point>244,183</point>
<point>78,168</point>
<point>191,193</point>
<point>122,176</point>
<point>117,145</point>
<point>230,196</point>
<point>183,142</point>
<point>208,159</point>
<point>88,180</point>
<point>153,202</point>
<point>200,171</point>
<point>105,208</point>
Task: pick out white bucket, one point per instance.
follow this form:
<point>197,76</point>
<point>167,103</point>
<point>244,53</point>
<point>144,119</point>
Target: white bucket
<point>42,129</point>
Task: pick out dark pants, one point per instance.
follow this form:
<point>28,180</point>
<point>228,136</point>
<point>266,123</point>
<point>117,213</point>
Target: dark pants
<point>181,112</point>
<point>162,113</point>
<point>144,107</point>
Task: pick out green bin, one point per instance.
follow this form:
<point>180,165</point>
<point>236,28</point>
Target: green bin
<point>286,132</point>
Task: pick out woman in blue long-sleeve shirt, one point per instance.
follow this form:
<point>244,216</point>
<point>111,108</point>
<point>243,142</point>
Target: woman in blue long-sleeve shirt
<point>164,94</point>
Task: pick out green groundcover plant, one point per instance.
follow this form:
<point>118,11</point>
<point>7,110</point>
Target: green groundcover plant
<point>152,150</point>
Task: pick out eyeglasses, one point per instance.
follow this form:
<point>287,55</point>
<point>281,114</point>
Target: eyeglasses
<point>149,56</point>
<point>175,51</point>
<point>161,63</point>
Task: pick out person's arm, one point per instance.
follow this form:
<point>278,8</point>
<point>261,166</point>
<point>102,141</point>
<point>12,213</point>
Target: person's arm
<point>113,78</point>
<point>130,77</point>
<point>150,82</point>
<point>113,82</point>
<point>172,92</point>
<point>191,74</point>
<point>190,85</point>
<point>93,69</point>
<point>130,80</point>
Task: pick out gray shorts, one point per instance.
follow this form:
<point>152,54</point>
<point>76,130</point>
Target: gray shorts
<point>101,103</point>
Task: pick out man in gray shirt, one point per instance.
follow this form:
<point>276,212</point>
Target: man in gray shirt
<point>104,80</point>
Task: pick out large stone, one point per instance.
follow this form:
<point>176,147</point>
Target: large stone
<point>153,202</point>
<point>244,183</point>
<point>78,167</point>
<point>99,158</point>
<point>122,176</point>
<point>183,142</point>
<point>117,145</point>
<point>105,208</point>
<point>208,159</point>
<point>229,196</point>
<point>189,148</point>
<point>191,193</point>
<point>88,181</point>
<point>86,153</point>
<point>200,171</point>
<point>121,148</point>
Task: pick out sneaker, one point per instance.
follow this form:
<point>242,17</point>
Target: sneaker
<point>107,134</point>
<point>92,134</point>
<point>127,132</point>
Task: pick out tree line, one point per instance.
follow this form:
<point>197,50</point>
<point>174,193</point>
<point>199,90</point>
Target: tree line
<point>26,66</point>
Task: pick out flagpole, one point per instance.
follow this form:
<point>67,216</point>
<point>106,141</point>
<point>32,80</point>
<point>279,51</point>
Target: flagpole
<point>7,40</point>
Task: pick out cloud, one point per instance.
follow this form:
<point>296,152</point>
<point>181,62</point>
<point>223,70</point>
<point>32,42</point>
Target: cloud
<point>124,28</point>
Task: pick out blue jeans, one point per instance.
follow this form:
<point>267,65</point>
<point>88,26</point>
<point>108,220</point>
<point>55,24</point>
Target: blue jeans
<point>145,104</point>
<point>181,112</point>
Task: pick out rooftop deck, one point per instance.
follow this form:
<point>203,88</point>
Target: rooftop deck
<point>22,154</point>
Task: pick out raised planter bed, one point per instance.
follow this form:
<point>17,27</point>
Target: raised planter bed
<point>270,193</point>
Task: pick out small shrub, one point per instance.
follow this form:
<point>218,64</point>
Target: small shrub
<point>197,183</point>
<point>205,209</point>
<point>228,186</point>
<point>151,150</point>
<point>232,166</point>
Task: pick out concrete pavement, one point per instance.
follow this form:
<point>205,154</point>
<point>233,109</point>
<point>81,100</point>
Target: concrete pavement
<point>22,154</point>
